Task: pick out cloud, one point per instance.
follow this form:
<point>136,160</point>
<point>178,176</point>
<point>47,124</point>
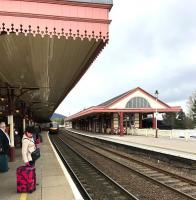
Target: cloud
<point>152,45</point>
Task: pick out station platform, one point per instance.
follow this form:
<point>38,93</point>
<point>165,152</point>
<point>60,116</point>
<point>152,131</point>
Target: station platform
<point>53,179</point>
<point>175,147</point>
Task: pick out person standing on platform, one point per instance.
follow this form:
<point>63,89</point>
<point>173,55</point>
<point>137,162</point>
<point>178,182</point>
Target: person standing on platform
<point>4,148</point>
<point>28,146</point>
<point>7,132</point>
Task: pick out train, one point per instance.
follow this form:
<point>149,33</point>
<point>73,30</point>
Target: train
<point>54,128</point>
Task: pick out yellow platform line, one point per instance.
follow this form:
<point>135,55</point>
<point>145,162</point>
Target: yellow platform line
<point>23,196</point>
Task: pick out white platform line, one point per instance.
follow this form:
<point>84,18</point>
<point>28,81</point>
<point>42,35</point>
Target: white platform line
<point>76,193</point>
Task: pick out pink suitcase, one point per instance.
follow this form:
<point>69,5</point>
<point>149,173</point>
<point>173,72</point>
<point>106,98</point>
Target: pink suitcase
<point>26,179</point>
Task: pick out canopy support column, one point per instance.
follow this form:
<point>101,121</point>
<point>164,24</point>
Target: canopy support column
<point>121,124</point>
<point>23,117</point>
<point>11,122</point>
<point>24,124</point>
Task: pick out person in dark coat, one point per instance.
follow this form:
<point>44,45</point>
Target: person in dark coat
<point>4,148</point>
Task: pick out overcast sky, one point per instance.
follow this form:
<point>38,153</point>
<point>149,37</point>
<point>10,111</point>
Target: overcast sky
<point>152,45</point>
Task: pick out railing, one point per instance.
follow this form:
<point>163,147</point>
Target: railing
<point>174,133</point>
<point>96,1</point>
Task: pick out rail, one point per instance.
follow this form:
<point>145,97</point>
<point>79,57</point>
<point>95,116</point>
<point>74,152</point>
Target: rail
<point>92,181</point>
<point>160,176</point>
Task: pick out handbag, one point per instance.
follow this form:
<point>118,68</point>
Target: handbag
<point>35,154</point>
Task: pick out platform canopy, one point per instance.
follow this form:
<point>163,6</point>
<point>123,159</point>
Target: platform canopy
<point>45,48</point>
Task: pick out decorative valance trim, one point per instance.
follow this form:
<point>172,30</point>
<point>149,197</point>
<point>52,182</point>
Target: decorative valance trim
<point>49,31</point>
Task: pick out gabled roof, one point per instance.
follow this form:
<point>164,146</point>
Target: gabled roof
<point>118,98</point>
<point>106,107</point>
<point>110,101</point>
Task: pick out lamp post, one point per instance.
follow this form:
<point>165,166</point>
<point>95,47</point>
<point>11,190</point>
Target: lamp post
<point>156,130</point>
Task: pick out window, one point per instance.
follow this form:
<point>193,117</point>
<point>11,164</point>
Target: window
<point>138,102</point>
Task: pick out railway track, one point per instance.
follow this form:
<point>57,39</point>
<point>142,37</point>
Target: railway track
<point>174,182</point>
<point>93,183</point>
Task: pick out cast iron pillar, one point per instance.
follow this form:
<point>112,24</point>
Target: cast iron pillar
<point>121,124</point>
<point>11,122</point>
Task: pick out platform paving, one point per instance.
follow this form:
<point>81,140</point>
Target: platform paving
<point>177,147</point>
<point>51,178</point>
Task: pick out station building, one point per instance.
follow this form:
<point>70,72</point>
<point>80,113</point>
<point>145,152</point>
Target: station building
<point>122,113</point>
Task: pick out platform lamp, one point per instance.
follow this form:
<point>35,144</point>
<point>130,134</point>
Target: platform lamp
<point>156,130</point>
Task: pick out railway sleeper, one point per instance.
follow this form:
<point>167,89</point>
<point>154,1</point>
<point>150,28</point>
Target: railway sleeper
<point>150,172</point>
<point>180,184</point>
<point>159,176</point>
<point>170,182</point>
<point>122,198</point>
<point>188,188</point>
<point>106,183</point>
<point>193,194</point>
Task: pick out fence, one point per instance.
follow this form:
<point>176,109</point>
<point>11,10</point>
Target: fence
<point>174,133</point>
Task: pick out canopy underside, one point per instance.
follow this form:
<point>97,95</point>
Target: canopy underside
<point>44,69</point>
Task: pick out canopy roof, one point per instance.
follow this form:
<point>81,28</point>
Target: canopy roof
<point>46,47</point>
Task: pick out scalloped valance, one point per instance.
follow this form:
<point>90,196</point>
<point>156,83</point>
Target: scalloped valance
<point>54,19</point>
<point>51,31</point>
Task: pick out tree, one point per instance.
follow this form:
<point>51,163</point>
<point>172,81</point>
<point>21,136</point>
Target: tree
<point>169,119</point>
<point>189,123</point>
<point>62,121</point>
<point>194,112</point>
<point>191,115</point>
<point>180,122</point>
<point>175,120</point>
<point>190,105</point>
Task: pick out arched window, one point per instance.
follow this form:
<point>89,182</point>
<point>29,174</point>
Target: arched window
<point>138,102</point>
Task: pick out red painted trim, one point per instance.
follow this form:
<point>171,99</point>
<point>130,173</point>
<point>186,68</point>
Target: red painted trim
<point>54,17</point>
<point>140,120</point>
<point>121,124</point>
<point>153,122</point>
<point>102,109</point>
<point>72,3</point>
<point>134,90</point>
<point>94,110</point>
<point>152,97</point>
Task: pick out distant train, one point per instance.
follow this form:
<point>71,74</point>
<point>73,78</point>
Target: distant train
<point>54,128</point>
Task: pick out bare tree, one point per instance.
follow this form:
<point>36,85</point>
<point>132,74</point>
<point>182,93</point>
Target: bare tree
<point>190,105</point>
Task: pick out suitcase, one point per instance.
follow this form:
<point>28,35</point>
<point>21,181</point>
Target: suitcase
<point>3,163</point>
<point>26,179</point>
